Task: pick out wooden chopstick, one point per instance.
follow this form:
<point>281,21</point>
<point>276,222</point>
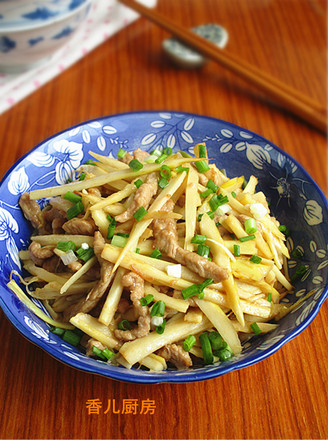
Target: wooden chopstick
<point>291,99</point>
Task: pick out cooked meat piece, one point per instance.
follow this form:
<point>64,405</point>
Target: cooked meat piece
<point>61,204</point>
<point>136,286</point>
<point>175,353</point>
<point>31,211</point>
<point>81,226</point>
<point>127,158</point>
<point>91,300</point>
<point>142,197</point>
<point>140,155</point>
<point>39,254</point>
<point>52,264</point>
<point>166,240</point>
<point>57,225</point>
<point>93,342</point>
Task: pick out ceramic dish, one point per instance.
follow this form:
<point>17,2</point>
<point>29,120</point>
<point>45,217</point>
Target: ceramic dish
<point>295,200</point>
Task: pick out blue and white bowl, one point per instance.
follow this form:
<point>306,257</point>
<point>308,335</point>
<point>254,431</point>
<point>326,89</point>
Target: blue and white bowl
<point>295,200</point>
<point>32,31</point>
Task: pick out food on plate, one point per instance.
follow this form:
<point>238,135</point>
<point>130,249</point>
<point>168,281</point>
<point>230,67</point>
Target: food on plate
<point>156,260</point>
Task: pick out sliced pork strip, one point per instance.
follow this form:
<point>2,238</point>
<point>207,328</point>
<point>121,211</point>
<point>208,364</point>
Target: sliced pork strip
<point>135,284</point>
<point>140,155</point>
<point>39,254</point>
<point>176,354</point>
<point>77,226</point>
<point>31,211</point>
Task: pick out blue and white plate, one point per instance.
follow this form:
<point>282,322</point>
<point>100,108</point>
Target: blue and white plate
<point>295,200</point>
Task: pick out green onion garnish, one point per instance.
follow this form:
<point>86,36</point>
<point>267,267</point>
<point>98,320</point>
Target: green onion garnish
<point>165,171</point>
<point>202,151</point>
<point>250,226</point>
<point>135,165</point>
<point>299,273</point>
<point>160,328</point>
<point>82,176</point>
<point>147,299</point>
<point>236,250</point>
<point>111,227</point>
<point>156,254</point>
<point>255,259</point>
<point>184,153</point>
<point>138,251</point>
<point>162,183</point>
<point>234,195</point>
<point>269,296</point>
<point>98,352</point>
<point>107,353</point>
<point>211,185</point>
<point>71,337</point>
<point>224,355</point>
<point>206,193</point>
<point>216,340</point>
<point>284,230</point>
<point>57,331</point>
<point>138,183</point>
<point>206,348</point>
<point>218,200</point>
<point>158,309</point>
<point>196,289</point>
<point>256,329</point>
<point>66,246</point>
<point>139,215</point>
<point>124,325</point>
<point>90,162</point>
<point>198,239</point>
<point>168,151</point>
<point>210,214</point>
<point>85,254</point>
<point>121,153</point>
<point>202,166</point>
<point>75,210</point>
<point>189,342</point>
<point>203,250</point>
<point>161,158</point>
<point>247,238</point>
<point>181,169</point>
<point>297,253</point>
<point>119,241</point>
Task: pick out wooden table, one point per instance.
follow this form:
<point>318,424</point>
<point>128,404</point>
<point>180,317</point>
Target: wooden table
<point>284,396</point>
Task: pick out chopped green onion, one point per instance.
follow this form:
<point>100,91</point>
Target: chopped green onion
<point>284,230</point>
<point>168,151</point>
<point>119,241</point>
<point>165,171</point>
<point>234,195</point>
<point>198,239</point>
<point>206,348</point>
<point>71,337</point>
<point>210,214</point>
<point>147,299</point>
<point>206,193</point>
<point>75,210</point>
<point>82,176</point>
<point>158,309</point>
<point>181,169</point>
<point>156,152</point>
<point>90,162</point>
<point>216,340</point>
<point>184,153</point>
<point>236,250</point>
<point>250,226</point>
<point>121,153</point>
<point>269,296</point>
<point>98,352</point>
<point>124,325</point>
<point>123,234</point>
<point>160,328</point>
<point>247,238</point>
<point>66,246</point>
<point>156,254</point>
<point>255,259</point>
<point>217,224</point>
<point>202,166</point>
<point>203,250</point>
<point>297,253</point>
<point>224,354</point>
<point>111,227</point>
<point>107,353</point>
<point>57,331</point>
<point>161,158</point>
<point>218,200</point>
<point>139,215</point>
<point>85,254</point>
<point>189,342</point>
<point>138,183</point>
<point>135,165</point>
<point>256,329</point>
<point>299,273</point>
<point>202,151</point>
<point>196,289</point>
<point>138,251</point>
<point>199,217</point>
<point>162,183</point>
<point>211,185</point>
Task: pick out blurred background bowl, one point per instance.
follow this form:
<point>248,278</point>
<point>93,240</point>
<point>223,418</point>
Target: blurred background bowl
<point>31,32</point>
<point>295,200</point>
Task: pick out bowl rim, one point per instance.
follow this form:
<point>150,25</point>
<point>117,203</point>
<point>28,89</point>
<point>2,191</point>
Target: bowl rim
<point>193,375</point>
<point>34,26</point>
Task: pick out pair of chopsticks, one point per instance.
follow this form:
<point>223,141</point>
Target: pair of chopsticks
<point>291,99</point>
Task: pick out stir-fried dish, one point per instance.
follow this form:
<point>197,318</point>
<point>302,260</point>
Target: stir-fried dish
<point>155,260</point>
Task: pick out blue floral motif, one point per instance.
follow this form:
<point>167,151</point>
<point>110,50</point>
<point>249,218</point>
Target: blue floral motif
<point>68,30</point>
<point>40,14</point>
<point>35,41</point>
<point>6,44</point>
<point>75,4</point>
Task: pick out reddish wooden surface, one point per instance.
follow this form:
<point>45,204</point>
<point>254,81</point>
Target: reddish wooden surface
<point>284,396</point>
